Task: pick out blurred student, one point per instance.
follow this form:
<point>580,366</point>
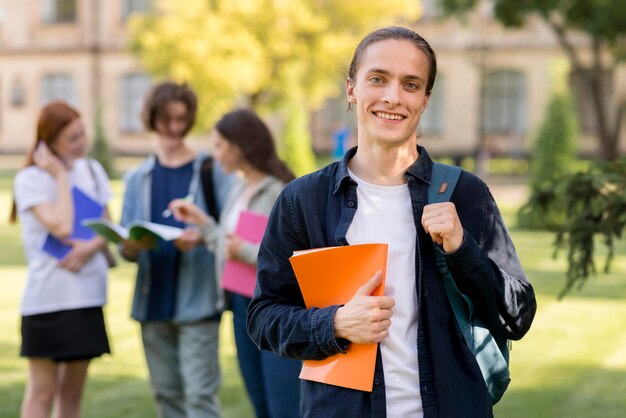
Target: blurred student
<point>62,321</point>
<point>176,299</point>
<point>243,144</point>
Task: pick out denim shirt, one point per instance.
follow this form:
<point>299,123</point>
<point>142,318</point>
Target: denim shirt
<point>198,295</point>
<point>316,211</point>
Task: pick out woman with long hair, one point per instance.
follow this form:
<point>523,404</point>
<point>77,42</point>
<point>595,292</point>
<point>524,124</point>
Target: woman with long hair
<point>62,325</point>
<point>244,144</point>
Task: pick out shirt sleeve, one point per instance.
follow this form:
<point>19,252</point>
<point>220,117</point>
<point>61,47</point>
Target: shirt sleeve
<point>277,318</point>
<point>31,187</point>
<point>487,269</point>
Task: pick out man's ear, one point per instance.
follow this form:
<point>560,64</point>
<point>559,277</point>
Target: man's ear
<point>350,91</point>
<point>425,104</point>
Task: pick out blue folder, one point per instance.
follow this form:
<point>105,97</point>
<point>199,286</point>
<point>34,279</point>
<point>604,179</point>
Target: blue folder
<point>84,207</point>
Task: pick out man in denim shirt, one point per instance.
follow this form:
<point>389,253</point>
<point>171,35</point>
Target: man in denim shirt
<point>378,193</point>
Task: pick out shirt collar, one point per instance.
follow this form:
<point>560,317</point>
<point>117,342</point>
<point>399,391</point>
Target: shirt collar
<point>421,169</point>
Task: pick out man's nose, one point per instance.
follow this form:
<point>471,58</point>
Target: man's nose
<point>392,93</point>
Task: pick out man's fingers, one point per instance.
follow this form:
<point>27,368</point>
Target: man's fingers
<point>371,285</point>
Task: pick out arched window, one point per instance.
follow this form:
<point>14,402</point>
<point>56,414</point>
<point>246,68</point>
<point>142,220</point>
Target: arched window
<point>432,121</point>
<point>58,11</point>
<point>133,89</point>
<point>504,103</point>
<point>58,86</point>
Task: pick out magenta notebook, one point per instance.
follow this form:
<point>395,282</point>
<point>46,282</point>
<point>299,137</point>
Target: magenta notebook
<point>239,277</point>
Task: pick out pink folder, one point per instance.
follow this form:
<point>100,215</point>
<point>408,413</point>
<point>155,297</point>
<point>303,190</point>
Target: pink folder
<point>239,277</point>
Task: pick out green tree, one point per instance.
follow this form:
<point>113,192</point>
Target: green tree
<point>100,149</point>
<point>602,21</point>
<point>595,203</point>
<point>554,153</point>
<point>282,56</point>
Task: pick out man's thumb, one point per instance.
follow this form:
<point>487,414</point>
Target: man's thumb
<point>371,284</point>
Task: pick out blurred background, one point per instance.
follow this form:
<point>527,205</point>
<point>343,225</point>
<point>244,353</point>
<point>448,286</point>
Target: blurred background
<point>529,94</point>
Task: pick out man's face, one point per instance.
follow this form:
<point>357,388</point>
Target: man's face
<point>173,121</point>
<point>389,92</point>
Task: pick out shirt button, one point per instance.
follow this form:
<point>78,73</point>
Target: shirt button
<point>351,204</point>
<point>376,382</point>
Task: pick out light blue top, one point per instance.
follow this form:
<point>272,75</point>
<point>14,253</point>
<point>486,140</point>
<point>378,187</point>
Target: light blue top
<point>198,295</point>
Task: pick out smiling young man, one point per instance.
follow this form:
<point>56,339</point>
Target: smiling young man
<point>378,193</point>
<point>176,300</point>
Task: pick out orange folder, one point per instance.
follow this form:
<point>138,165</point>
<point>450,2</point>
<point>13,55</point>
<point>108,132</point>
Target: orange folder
<point>331,276</point>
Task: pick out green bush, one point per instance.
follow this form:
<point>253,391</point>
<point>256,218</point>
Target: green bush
<point>553,157</point>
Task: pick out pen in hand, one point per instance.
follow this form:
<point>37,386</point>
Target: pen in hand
<point>168,212</point>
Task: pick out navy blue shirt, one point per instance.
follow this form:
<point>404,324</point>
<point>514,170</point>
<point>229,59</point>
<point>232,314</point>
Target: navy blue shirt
<point>485,267</point>
<point>167,184</point>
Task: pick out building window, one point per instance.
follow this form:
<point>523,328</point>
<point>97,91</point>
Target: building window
<point>135,6</point>
<point>58,87</point>
<point>59,11</point>
<point>432,120</point>
<point>133,89</point>
<point>504,103</point>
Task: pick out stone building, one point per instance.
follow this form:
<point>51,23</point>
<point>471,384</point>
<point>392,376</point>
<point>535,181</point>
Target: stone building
<point>491,91</point>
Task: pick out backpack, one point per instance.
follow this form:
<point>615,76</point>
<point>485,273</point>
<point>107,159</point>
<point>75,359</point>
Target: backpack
<point>491,352</point>
<point>208,188</point>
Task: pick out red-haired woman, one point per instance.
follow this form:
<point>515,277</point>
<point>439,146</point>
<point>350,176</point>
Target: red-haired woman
<point>62,322</point>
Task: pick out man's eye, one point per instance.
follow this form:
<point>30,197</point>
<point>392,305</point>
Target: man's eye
<point>376,79</point>
<point>412,86</point>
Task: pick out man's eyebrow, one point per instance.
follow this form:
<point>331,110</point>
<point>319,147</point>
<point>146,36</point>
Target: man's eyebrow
<point>385,72</point>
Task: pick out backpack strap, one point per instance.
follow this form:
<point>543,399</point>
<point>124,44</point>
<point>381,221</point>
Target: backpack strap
<point>206,176</point>
<point>442,184</point>
<point>491,352</point>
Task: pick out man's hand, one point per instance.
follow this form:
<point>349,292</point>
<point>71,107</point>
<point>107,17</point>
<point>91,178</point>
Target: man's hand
<point>130,249</point>
<point>365,319</point>
<point>188,240</point>
<point>441,221</point>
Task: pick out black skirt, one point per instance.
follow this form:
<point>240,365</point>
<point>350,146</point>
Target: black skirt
<point>77,334</point>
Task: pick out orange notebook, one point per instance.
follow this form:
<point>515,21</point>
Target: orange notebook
<point>331,276</point>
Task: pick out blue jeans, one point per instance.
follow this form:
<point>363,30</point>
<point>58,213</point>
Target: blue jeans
<point>184,369</point>
<point>271,381</point>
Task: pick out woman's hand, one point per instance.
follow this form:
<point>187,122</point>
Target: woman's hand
<point>81,252</point>
<point>234,246</point>
<point>44,158</point>
<point>187,212</point>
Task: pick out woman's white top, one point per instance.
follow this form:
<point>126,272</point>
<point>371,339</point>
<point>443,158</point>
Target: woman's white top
<point>50,288</point>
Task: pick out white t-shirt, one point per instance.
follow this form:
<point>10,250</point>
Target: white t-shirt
<point>385,215</point>
<point>50,288</point>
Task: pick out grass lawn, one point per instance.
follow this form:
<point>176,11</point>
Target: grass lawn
<point>571,364</point>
